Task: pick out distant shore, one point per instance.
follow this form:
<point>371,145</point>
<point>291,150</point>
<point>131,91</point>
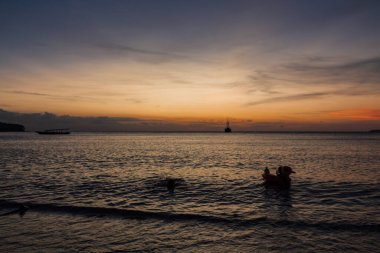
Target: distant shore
<point>7,127</point>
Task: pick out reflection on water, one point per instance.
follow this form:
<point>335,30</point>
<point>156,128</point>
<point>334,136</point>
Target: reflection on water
<point>79,184</point>
<point>277,203</point>
<point>278,197</point>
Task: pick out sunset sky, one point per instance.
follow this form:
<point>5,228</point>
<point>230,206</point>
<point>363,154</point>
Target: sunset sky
<point>190,65</point>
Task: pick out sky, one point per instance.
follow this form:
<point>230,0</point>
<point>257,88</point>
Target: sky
<point>176,65</point>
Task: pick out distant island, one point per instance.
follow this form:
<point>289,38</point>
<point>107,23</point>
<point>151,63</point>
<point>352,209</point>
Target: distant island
<point>6,127</point>
<point>375,131</point>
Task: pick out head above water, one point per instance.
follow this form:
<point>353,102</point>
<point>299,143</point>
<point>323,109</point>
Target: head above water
<point>170,184</point>
<point>285,170</point>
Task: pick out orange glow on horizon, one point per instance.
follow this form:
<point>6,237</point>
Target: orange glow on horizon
<point>180,92</point>
<point>357,114</point>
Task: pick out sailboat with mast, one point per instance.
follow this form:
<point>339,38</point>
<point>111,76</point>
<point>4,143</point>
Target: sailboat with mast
<point>227,129</point>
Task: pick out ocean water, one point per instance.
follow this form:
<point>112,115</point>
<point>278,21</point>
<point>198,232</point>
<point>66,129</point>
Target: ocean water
<point>102,192</point>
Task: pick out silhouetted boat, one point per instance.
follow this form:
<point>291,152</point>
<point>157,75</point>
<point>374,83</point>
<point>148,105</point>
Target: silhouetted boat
<point>54,131</point>
<point>227,129</point>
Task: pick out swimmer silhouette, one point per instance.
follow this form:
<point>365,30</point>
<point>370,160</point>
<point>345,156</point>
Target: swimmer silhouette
<point>170,184</point>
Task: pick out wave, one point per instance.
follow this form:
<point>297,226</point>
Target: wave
<point>112,212</point>
<point>165,216</point>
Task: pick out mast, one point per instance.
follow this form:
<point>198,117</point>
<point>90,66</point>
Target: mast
<point>227,129</point>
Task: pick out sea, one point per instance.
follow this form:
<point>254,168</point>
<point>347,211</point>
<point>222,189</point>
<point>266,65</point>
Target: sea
<point>106,192</point>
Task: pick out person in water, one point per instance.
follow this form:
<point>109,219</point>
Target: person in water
<point>266,172</point>
<point>170,184</point>
<point>281,179</point>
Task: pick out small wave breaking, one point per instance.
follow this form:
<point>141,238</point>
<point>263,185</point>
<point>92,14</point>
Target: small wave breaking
<point>183,217</point>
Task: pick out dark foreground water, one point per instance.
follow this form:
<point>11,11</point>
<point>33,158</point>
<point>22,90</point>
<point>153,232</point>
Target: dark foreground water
<point>106,193</point>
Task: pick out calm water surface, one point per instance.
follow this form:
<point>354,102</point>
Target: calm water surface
<point>105,193</point>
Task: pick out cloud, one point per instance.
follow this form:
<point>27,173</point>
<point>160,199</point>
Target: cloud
<point>359,72</point>
<point>52,96</point>
<point>324,68</point>
<point>40,121</point>
<point>134,100</point>
<point>35,121</point>
<point>296,97</point>
<point>28,93</point>
<point>353,78</point>
<point>154,55</point>
<point>125,48</point>
<point>352,91</point>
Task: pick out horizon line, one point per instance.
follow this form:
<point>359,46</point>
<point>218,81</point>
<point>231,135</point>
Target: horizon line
<point>222,132</point>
